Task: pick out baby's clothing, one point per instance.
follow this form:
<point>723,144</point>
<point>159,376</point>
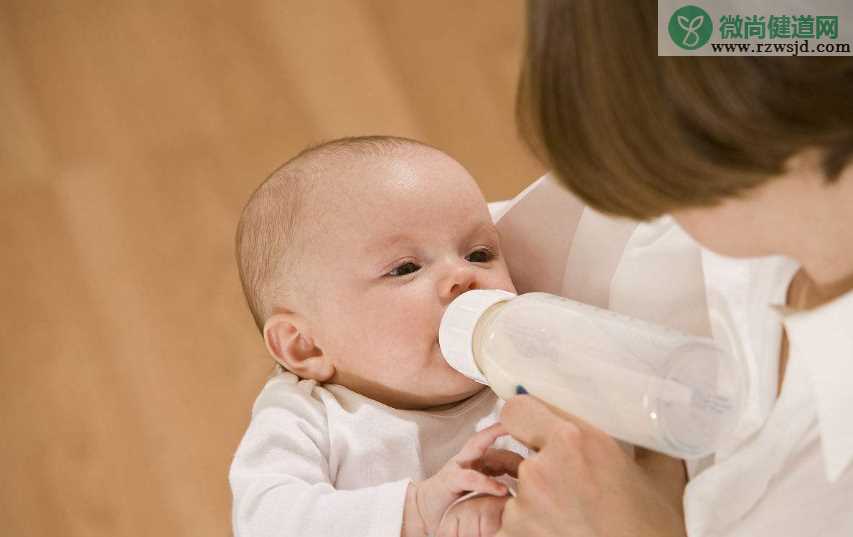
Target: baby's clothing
<point>322,460</point>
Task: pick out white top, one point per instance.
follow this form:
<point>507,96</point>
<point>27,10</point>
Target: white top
<point>322,460</point>
<point>787,471</point>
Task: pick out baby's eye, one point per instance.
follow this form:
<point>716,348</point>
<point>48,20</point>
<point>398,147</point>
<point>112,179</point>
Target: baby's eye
<point>405,268</point>
<point>480,256</point>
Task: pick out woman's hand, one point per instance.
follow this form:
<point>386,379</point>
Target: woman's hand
<point>582,484</point>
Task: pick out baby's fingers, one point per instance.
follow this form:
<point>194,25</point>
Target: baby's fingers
<point>449,528</point>
<point>473,481</point>
<point>477,445</point>
<point>475,517</point>
<point>490,521</point>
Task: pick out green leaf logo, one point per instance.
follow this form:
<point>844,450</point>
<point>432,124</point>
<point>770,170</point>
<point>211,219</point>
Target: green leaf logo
<point>690,27</point>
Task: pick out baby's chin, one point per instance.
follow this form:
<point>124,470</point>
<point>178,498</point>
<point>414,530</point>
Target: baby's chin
<point>457,387</point>
<point>449,401</point>
<point>441,385</point>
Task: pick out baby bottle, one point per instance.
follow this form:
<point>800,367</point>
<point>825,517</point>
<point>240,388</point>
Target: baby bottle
<point>639,382</point>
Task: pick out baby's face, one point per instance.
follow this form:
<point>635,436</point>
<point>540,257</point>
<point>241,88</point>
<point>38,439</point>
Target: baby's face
<point>404,238</point>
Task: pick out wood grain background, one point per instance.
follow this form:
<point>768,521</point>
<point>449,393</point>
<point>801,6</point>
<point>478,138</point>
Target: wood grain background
<point>131,133</point>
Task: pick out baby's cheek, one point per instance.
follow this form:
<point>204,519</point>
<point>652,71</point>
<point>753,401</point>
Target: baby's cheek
<point>392,334</point>
<point>502,281</point>
<point>497,277</point>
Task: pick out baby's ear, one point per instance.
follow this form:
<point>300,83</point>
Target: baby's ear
<point>288,341</point>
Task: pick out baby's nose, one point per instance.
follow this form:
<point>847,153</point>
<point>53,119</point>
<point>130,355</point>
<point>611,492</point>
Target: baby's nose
<point>461,279</point>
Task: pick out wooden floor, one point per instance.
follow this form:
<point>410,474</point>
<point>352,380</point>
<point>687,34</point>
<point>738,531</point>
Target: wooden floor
<point>131,133</point>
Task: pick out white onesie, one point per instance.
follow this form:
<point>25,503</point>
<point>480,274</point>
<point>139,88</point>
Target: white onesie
<point>322,460</point>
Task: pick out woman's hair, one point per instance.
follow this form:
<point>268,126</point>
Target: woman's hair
<point>638,135</point>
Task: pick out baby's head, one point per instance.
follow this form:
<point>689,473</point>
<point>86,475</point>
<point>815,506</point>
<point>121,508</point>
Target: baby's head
<point>350,253</point>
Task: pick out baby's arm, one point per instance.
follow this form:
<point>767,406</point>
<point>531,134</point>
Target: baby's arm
<point>282,482</point>
<point>281,479</point>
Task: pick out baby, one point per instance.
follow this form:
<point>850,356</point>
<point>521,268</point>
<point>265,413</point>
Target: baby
<point>349,254</point>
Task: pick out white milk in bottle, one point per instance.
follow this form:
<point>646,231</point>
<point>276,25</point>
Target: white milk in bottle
<point>639,382</point>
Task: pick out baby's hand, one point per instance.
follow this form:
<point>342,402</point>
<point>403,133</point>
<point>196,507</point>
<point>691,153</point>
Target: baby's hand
<point>468,471</point>
<point>477,517</point>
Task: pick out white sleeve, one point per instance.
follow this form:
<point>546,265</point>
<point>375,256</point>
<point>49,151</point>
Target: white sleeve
<point>553,242</point>
<point>280,477</point>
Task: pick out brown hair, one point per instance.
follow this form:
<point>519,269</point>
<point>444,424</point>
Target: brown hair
<point>638,135</point>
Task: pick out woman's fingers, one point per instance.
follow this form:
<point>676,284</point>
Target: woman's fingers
<point>670,474</point>
<point>477,445</point>
<point>532,422</point>
<point>497,462</point>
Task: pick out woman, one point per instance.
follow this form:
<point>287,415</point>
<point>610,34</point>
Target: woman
<point>752,157</point>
